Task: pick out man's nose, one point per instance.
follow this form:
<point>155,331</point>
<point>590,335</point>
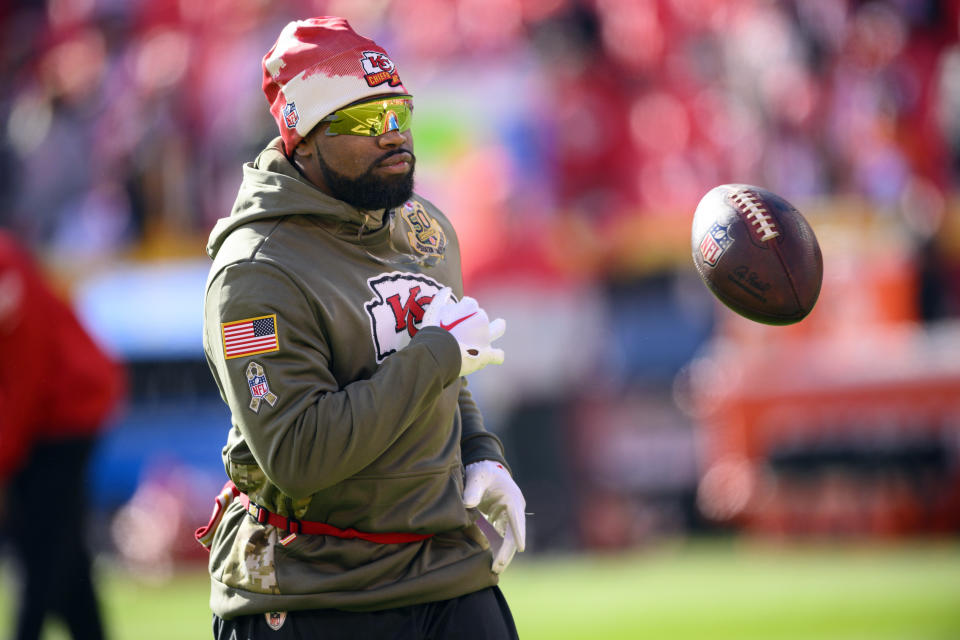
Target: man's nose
<point>391,139</point>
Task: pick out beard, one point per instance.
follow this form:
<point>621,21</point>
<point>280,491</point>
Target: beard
<point>368,191</point>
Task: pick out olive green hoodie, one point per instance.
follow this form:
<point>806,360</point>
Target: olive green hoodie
<point>343,410</point>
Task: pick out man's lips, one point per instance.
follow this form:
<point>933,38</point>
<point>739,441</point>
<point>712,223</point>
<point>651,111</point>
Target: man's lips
<point>397,163</point>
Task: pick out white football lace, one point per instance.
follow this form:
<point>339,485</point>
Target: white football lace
<point>750,204</point>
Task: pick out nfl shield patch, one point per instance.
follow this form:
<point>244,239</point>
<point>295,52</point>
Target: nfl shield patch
<point>275,619</point>
<point>290,115</point>
<point>714,243</point>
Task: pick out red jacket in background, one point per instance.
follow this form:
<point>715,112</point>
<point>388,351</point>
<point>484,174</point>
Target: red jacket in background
<point>55,382</point>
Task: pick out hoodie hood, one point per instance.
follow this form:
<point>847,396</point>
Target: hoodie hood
<point>273,188</point>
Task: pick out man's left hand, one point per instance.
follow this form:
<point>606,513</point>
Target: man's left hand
<point>491,489</point>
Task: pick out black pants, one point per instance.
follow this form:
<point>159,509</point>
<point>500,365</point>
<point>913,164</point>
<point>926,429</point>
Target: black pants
<point>45,515</point>
<point>483,615</point>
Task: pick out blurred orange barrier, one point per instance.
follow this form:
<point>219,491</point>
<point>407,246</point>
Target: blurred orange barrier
<point>858,434</point>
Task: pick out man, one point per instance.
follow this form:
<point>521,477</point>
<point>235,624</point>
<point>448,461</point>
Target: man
<point>336,330</point>
<point>57,392</point>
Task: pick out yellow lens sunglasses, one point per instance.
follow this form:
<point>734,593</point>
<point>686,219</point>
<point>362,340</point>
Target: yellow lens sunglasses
<point>373,117</point>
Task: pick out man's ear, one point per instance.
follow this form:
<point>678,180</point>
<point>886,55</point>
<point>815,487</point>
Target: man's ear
<point>307,146</point>
<point>304,148</point>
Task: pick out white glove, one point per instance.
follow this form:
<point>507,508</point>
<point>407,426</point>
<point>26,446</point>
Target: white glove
<point>493,492</point>
<point>469,324</point>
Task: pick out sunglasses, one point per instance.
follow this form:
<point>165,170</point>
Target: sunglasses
<point>372,118</point>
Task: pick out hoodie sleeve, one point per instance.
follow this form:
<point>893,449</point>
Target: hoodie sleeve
<point>476,443</point>
<point>305,432</point>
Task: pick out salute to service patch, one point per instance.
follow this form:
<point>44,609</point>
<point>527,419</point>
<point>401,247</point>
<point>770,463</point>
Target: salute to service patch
<point>249,337</point>
<point>259,387</point>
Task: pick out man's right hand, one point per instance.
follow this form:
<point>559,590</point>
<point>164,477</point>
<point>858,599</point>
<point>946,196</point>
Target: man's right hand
<point>469,324</point>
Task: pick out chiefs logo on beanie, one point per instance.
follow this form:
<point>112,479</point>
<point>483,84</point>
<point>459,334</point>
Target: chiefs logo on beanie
<point>317,66</point>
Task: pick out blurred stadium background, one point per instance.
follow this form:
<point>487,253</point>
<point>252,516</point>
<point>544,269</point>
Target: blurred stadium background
<point>569,141</point>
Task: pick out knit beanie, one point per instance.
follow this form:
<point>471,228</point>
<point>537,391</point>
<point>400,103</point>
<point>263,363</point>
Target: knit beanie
<point>317,66</point>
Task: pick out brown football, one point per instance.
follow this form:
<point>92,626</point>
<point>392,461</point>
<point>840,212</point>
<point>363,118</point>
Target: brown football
<point>756,253</point>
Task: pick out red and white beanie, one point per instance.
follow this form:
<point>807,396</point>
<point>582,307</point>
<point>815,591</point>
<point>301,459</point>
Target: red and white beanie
<point>317,66</point>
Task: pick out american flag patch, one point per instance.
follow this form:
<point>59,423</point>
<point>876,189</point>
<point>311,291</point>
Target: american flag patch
<point>250,336</point>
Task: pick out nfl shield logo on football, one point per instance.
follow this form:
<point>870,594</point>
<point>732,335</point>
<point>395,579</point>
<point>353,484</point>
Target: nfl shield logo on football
<point>714,243</point>
<point>290,115</point>
<point>275,619</point>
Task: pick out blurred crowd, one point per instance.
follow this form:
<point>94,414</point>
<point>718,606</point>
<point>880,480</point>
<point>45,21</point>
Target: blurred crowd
<point>127,120</point>
<point>568,140</point>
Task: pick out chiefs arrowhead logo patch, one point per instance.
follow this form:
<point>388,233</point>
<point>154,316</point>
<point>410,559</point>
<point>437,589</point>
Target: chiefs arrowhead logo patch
<point>378,68</point>
<point>397,309</point>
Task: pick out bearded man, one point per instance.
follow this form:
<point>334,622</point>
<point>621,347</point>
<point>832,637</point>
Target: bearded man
<point>363,484</point>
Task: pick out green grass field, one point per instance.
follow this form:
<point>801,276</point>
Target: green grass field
<point>708,591</point>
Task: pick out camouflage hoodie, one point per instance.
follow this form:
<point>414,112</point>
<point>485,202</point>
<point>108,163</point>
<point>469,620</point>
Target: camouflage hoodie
<point>343,410</point>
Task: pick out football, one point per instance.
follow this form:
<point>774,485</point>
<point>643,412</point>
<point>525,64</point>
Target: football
<point>757,254</point>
